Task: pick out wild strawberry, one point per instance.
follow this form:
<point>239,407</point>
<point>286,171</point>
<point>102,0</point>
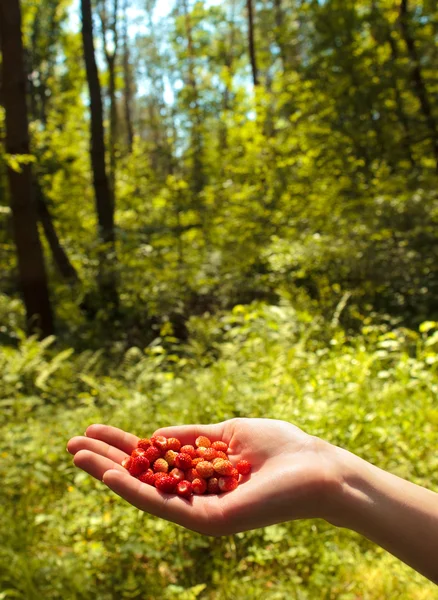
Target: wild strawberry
<point>199,486</point>
<point>220,454</point>
<point>166,484</point>
<point>220,446</point>
<point>152,454</point>
<point>159,475</point>
<point>178,474</point>
<point>188,450</point>
<point>184,489</point>
<point>205,469</point>
<point>244,467</point>
<point>197,460</point>
<point>160,466</point>
<point>173,444</point>
<point>160,442</point>
<point>170,456</point>
<point>144,444</point>
<point>126,462</point>
<point>139,464</point>
<point>206,453</point>
<point>227,484</point>
<point>223,467</point>
<point>138,452</point>
<point>213,486</point>
<point>191,474</point>
<point>183,461</point>
<point>202,442</point>
<point>147,477</point>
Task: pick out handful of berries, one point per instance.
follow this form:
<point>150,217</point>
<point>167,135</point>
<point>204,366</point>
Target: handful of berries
<point>185,470</point>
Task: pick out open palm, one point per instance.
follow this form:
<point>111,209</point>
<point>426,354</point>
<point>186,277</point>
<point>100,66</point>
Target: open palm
<point>292,475</point>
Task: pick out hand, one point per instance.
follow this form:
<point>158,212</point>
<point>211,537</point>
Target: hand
<point>293,475</point>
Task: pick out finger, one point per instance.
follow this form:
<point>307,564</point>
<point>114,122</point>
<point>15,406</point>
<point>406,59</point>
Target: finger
<point>150,500</point>
<point>79,443</point>
<point>187,434</point>
<point>95,464</point>
<point>113,436</point>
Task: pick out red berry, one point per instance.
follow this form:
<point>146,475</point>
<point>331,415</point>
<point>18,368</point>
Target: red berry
<point>223,467</point>
<point>227,484</point>
<point>148,477</point>
<point>197,460</point>
<point>220,446</point>
<point>173,444</point>
<point>144,444</point>
<point>152,454</point>
<point>183,461</point>
<point>234,473</point>
<point>126,462</point>
<point>166,484</point>
<point>206,453</point>
<point>159,475</point>
<point>203,442</point>
<point>170,456</point>
<point>213,486</point>
<point>139,464</point>
<point>188,450</point>
<point>191,474</point>
<point>160,442</point>
<point>178,474</point>
<point>138,452</point>
<point>205,469</point>
<point>244,467</point>
<point>161,466</point>
<point>199,486</point>
<point>184,489</point>
<point>221,454</point>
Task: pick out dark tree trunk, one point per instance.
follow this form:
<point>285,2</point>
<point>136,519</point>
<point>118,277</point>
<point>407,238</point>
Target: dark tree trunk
<point>251,42</point>
<point>198,174</point>
<point>418,78</point>
<point>62,262</point>
<point>32,272</point>
<point>104,205</point>
<point>127,76</point>
<point>113,125</point>
<point>110,26</point>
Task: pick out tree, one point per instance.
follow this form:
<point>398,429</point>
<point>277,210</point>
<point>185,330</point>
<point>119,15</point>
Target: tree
<point>110,43</point>
<point>104,204</point>
<point>42,60</point>
<point>127,81</point>
<point>251,43</point>
<point>32,272</point>
<point>418,77</point>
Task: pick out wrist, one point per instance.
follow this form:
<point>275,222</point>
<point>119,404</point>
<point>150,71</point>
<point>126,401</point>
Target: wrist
<point>349,493</point>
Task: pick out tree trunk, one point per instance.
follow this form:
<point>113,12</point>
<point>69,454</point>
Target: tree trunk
<point>32,272</point>
<point>418,79</point>
<point>62,262</point>
<point>104,206</point>
<point>251,42</point>
<point>127,76</point>
<point>197,147</point>
<point>113,126</point>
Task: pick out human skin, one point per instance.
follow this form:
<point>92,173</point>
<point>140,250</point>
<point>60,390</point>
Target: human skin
<point>294,476</point>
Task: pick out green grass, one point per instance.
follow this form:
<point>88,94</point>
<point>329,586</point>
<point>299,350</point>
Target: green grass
<point>63,535</point>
